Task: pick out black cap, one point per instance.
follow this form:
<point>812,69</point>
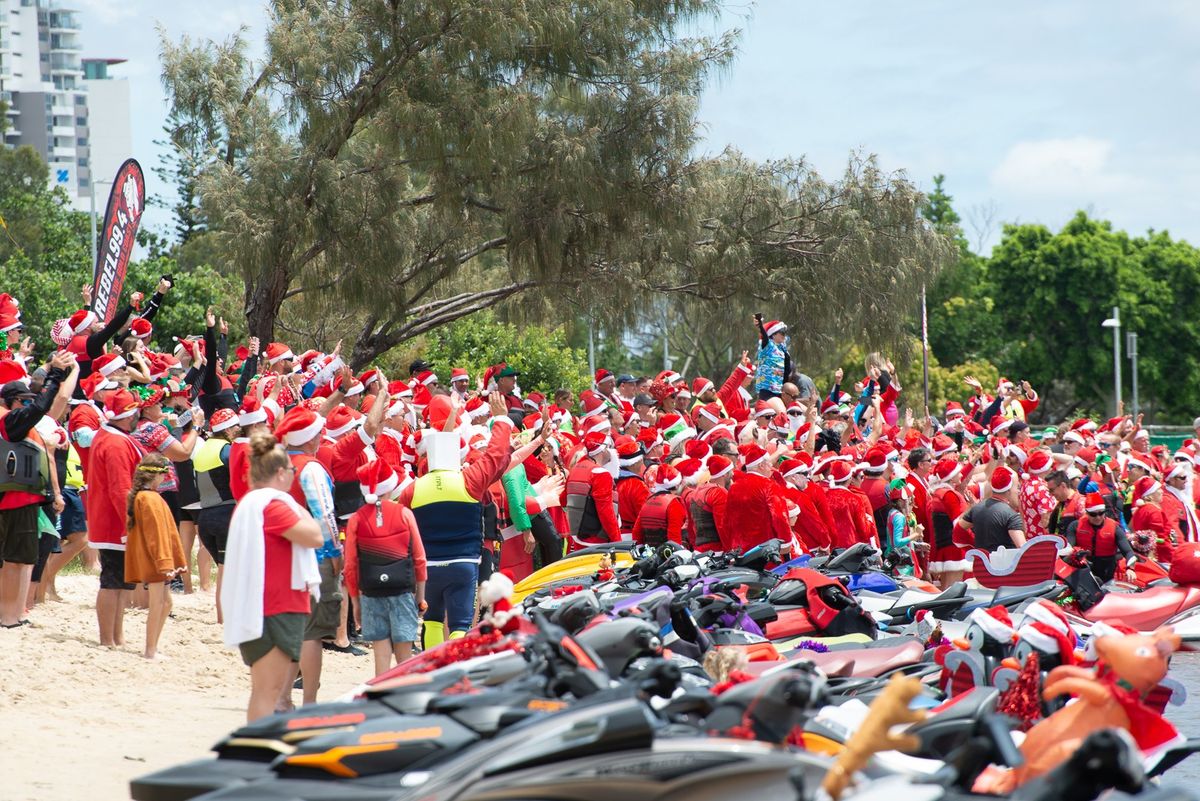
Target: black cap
<point>419,366</point>
<point>643,399</point>
<point>16,389</point>
<point>625,378</point>
<point>1017,427</point>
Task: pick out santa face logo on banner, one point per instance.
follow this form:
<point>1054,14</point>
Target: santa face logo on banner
<point>122,214</point>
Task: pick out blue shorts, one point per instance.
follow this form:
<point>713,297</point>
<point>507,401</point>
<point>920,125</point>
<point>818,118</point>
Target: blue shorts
<point>72,520</point>
<point>450,593</point>
<point>392,617</point>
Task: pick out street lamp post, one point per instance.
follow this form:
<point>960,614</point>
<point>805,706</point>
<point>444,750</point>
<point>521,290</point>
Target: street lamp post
<point>1114,323</point>
<point>1132,352</point>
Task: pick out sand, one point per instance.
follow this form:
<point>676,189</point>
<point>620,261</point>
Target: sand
<point>79,721</point>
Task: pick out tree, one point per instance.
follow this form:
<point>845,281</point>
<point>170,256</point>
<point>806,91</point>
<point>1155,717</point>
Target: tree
<point>545,361</point>
<point>961,325</point>
<point>422,163</point>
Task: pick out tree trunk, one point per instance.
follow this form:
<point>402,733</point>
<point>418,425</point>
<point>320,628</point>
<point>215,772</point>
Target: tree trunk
<point>264,298</point>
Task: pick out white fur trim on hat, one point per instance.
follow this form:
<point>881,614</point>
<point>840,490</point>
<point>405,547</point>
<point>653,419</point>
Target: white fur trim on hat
<point>303,435</point>
<point>1074,436</point>
<point>991,626</point>
<point>337,432</point>
<point>728,469</point>
<point>228,424</point>
<point>1041,614</point>
<point>669,484</point>
<point>112,367</point>
<point>286,355</point>
<point>251,418</point>
<point>628,461</point>
<point>1040,641</point>
<point>382,489</point>
<point>777,328</point>
<point>1017,452</point>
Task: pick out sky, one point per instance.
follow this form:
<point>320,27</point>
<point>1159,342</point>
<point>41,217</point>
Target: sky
<point>1032,110</point>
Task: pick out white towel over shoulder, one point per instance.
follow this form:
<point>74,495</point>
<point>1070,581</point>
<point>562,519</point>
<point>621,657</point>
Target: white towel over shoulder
<point>245,566</point>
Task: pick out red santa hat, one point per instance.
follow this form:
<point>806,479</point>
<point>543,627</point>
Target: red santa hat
<point>594,442</point>
<point>649,438</point>
<point>592,402</point>
<point>1094,502</point>
<point>1000,425</point>
<point>629,452</point>
<point>954,409</point>
<point>774,327</point>
<point>666,478</point>
<point>222,420</point>
<point>107,364</point>
<point>253,412</point>
<point>1143,488</point>
<point>369,377</point>
<point>477,408</point>
<point>11,370</point>
<point>995,622</point>
<point>10,313</point>
<point>278,352</point>
<point>840,471</point>
<point>689,470</point>
<point>141,328</point>
<point>298,426</point>
<point>426,377</point>
<point>120,404</point>
<point>1050,614</point>
<point>876,460</point>
<point>1049,640</point>
<point>793,467</point>
<point>1016,452</point>
<point>695,449</point>
<point>752,455</point>
<point>700,385</point>
<point>341,420</point>
<point>377,480</point>
<point>942,445</point>
<point>91,385</point>
<point>458,374</point>
<point>709,411</point>
<point>949,470</point>
<point>603,375</point>
<point>1139,460</point>
<point>497,593</point>
<point>1003,385</point>
<point>668,377</point>
<point>1039,462</point>
<point>763,409</point>
<point>718,466</point>
<point>81,321</point>
<point>1002,480</point>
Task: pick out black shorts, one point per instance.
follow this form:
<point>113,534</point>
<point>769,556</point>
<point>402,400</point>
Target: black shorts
<point>73,519</point>
<point>213,525</point>
<point>19,535</point>
<point>112,570</point>
<point>47,544</point>
<point>766,395</point>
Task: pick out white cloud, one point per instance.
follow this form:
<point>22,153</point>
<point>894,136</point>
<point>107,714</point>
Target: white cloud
<point>107,12</point>
<point>1078,166</point>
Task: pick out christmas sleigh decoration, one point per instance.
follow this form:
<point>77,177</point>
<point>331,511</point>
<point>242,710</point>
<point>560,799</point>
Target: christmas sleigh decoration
<point>1026,566</point>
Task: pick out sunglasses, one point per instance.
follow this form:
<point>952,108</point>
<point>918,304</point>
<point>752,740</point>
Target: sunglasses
<point>1095,514</point>
<point>795,414</point>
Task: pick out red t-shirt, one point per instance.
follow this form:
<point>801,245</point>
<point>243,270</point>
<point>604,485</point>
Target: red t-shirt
<point>278,595</point>
<point>239,467</point>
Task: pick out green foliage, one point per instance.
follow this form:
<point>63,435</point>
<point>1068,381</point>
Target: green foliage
<point>541,354</point>
<point>515,150</point>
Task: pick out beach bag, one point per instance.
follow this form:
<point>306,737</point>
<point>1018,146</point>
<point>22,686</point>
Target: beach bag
<point>379,577</point>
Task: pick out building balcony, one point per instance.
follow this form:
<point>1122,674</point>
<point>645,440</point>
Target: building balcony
<point>62,130</point>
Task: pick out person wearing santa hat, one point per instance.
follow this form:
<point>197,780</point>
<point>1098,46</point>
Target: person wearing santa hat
<point>385,567</point>
<point>115,456</point>
<point>948,500</point>
<point>663,516</point>
<point>902,535</point>
<point>1037,504</point>
<point>631,488</point>
<point>852,520</point>
<point>1177,503</point>
<point>211,463</point>
<point>1148,516</point>
<point>90,334</point>
<point>448,505</point>
<point>810,528</point>
<point>774,362</point>
<point>754,511</point>
<point>994,522</point>
<point>1101,537</point>
<point>706,507</point>
<point>592,505</point>
<point>21,410</point>
<point>312,487</point>
<point>460,383</point>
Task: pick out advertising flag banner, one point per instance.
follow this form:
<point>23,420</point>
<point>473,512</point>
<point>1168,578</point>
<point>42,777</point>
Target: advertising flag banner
<point>121,217</point>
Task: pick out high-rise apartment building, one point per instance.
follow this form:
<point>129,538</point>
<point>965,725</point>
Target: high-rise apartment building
<point>54,96</point>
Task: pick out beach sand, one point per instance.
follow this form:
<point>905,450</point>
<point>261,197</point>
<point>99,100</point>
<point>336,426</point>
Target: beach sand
<point>79,721</point>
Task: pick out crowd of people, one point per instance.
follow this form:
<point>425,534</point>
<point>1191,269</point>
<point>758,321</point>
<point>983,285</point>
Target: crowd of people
<point>332,503</point>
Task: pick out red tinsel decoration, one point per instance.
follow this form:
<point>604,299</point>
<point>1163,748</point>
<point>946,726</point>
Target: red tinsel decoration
<point>736,677</point>
<point>485,641</point>
<point>1022,699</point>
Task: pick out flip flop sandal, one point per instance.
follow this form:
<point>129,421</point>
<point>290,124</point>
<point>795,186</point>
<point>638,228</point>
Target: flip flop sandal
<point>15,625</point>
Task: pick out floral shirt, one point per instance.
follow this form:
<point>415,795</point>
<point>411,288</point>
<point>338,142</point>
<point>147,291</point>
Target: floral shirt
<point>1036,501</point>
<point>155,438</point>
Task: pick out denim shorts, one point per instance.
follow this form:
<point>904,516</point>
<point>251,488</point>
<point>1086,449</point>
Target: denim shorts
<point>73,519</point>
<point>392,617</point>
